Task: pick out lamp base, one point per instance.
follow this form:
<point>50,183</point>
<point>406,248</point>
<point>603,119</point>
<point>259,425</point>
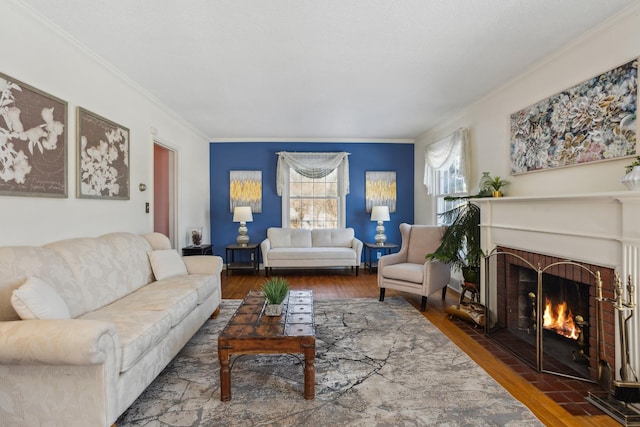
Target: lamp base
<point>380,237</point>
<point>243,238</point>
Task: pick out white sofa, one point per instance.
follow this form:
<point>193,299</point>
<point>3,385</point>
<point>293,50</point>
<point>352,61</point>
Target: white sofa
<point>104,331</point>
<point>290,248</point>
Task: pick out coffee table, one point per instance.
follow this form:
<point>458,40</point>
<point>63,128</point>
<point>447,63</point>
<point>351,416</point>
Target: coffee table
<point>249,331</point>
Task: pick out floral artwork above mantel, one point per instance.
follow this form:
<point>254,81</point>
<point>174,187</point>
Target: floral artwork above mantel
<point>592,121</point>
<point>33,141</point>
<point>103,158</point>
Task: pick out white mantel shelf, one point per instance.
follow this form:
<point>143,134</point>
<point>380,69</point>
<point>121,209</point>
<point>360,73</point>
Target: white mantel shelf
<point>594,228</point>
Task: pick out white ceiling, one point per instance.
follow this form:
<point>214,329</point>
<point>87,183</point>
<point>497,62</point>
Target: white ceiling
<point>364,69</point>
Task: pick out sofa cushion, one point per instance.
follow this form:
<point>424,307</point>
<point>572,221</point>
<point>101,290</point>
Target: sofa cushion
<point>139,330</point>
<point>204,285</point>
<point>177,302</point>
<point>167,263</point>
<point>17,263</point>
<point>406,272</point>
<point>36,299</point>
<point>289,238</point>
<point>311,253</point>
<point>106,268</point>
<point>332,237</point>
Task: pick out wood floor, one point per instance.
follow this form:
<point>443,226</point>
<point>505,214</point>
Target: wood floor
<point>329,284</point>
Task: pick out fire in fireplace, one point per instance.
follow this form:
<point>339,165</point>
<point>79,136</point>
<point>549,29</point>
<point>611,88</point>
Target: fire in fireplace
<point>559,318</point>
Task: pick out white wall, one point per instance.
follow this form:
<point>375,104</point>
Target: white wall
<point>38,54</point>
<point>607,46</point>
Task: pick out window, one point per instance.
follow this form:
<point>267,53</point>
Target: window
<point>448,182</point>
<point>445,170</point>
<point>313,202</point>
<point>313,187</point>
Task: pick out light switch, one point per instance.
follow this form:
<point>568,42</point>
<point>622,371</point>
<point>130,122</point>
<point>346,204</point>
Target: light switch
<point>146,207</point>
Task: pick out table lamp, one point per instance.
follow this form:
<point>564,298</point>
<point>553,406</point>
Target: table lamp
<point>380,214</point>
<point>242,214</point>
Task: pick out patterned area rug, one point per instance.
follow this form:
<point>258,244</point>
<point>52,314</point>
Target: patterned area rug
<point>377,363</point>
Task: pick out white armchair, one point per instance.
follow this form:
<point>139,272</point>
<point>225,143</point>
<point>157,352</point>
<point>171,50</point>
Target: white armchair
<point>408,270</point>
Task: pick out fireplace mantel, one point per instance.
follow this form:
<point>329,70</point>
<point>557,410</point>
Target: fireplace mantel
<point>594,228</point>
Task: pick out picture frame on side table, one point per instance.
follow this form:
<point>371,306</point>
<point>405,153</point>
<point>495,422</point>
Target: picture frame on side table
<point>103,158</point>
<point>33,136</point>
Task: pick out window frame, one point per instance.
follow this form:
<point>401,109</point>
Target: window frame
<point>286,201</point>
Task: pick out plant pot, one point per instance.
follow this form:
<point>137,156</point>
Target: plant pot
<point>632,179</point>
<point>471,274</point>
<point>273,310</point>
<point>497,193</point>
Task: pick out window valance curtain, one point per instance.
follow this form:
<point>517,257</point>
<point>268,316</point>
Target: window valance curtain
<point>313,165</point>
<point>441,154</point>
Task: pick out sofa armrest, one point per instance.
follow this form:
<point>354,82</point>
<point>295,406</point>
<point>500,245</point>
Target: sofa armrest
<point>357,245</point>
<point>203,264</point>
<point>58,342</point>
<point>265,245</point>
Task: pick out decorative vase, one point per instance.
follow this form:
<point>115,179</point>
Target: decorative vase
<point>196,236</point>
<point>485,182</point>
<point>632,179</point>
<point>273,310</point>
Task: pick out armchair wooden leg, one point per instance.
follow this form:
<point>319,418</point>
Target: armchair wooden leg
<point>382,294</point>
<point>444,292</point>
<point>423,304</point>
<point>357,270</point>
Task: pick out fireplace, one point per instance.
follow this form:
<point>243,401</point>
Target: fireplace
<point>600,232</point>
<point>546,311</point>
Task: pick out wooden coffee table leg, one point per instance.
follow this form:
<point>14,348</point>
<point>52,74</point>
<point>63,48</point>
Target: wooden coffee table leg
<point>225,374</point>
<point>309,371</point>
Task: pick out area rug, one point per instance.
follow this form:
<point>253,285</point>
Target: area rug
<point>377,364</point>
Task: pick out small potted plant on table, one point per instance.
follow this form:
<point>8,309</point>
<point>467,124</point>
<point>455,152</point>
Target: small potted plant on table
<point>275,291</point>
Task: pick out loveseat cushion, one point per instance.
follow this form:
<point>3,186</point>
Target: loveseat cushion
<point>405,272</point>
<point>312,253</point>
<point>332,237</point>
<point>289,237</point>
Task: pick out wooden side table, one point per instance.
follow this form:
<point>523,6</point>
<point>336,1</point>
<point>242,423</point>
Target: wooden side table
<point>369,248</point>
<point>252,265</point>
<point>197,250</point>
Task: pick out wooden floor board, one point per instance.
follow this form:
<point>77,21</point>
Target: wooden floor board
<point>342,283</point>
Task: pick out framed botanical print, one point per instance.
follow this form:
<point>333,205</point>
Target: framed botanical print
<point>33,141</point>
<point>103,158</point>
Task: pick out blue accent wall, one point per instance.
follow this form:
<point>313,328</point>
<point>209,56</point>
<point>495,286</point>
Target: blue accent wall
<point>225,157</point>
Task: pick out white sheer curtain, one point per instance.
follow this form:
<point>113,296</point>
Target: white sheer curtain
<point>441,154</point>
<point>313,165</point>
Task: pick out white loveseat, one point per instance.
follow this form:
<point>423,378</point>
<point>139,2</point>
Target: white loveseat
<point>289,248</point>
<point>104,331</point>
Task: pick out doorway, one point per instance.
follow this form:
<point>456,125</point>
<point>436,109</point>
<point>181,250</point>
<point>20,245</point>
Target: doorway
<point>164,189</point>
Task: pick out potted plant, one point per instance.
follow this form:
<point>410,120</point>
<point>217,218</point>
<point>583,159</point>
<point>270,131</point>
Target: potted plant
<point>275,291</point>
<point>460,243</point>
<point>496,184</point>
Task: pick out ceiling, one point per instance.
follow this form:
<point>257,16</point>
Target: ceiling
<point>322,69</point>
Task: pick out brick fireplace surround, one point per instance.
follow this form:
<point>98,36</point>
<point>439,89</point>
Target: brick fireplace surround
<point>600,230</point>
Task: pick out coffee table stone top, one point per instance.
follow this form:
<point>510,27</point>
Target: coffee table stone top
<point>250,322</point>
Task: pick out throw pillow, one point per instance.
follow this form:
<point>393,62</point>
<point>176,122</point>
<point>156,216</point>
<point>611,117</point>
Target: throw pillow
<point>167,263</point>
<point>36,299</point>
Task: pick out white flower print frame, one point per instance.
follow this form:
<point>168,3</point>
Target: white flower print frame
<point>103,158</point>
<point>33,141</point>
